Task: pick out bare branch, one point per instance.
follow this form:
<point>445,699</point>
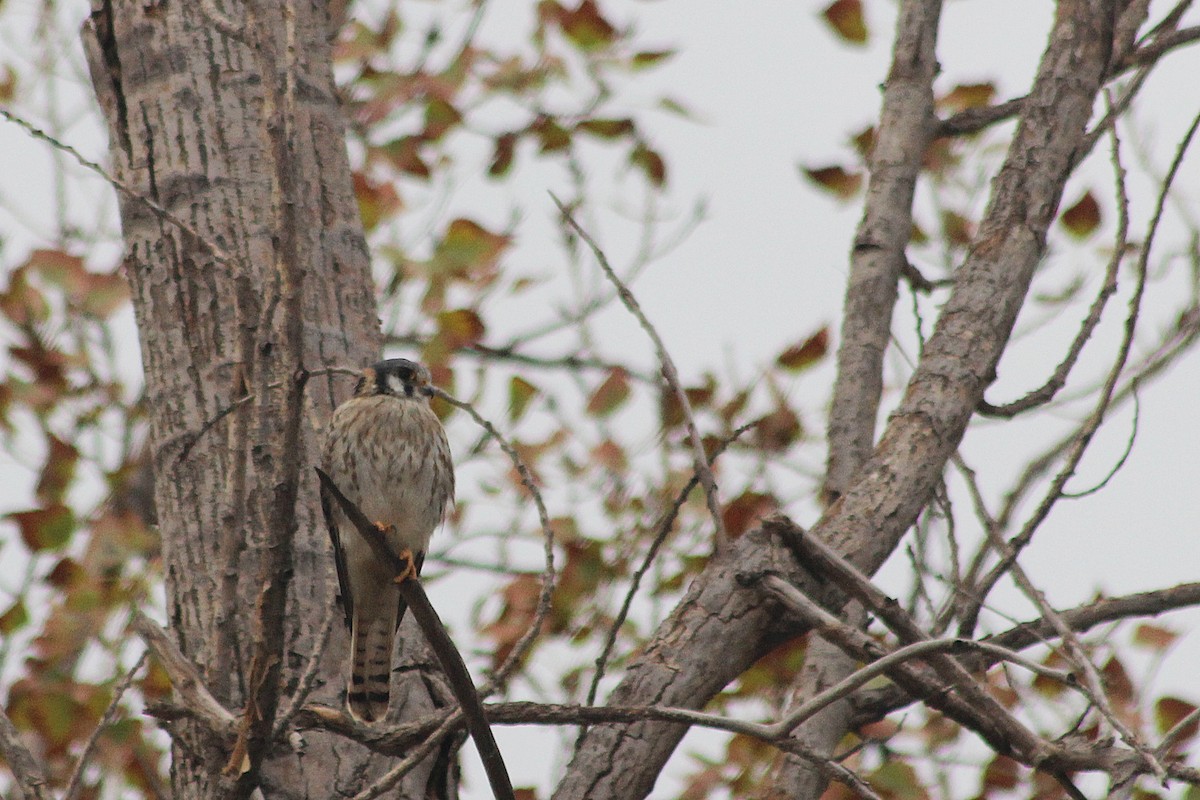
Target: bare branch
<point>878,257</point>
<point>218,253</point>
<point>439,640</point>
<point>549,574</point>
<point>700,460</point>
<point>1079,445</point>
<point>185,678</point>
<point>75,783</point>
<point>663,528</point>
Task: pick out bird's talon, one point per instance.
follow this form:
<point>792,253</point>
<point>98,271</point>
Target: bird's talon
<point>409,570</point>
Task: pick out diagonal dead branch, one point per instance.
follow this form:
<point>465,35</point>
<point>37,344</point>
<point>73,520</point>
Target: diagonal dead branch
<point>439,640</point>
<point>700,460</point>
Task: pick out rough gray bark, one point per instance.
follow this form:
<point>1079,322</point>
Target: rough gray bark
<point>272,277</point>
<point>906,123</point>
<point>867,521</point>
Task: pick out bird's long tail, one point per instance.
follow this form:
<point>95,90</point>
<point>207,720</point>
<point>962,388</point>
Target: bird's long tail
<point>371,642</point>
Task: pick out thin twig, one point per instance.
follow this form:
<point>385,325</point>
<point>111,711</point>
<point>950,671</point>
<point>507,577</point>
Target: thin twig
<point>699,457</point>
<point>218,253</point>
<point>549,575</point>
<point>1083,439</point>
<point>75,783</point>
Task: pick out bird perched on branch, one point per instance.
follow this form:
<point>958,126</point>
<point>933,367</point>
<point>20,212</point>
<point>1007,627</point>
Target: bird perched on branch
<point>387,453</point>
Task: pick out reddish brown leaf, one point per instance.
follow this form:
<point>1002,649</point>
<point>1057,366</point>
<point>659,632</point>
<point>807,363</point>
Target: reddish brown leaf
<point>835,180</point>
<point>847,20</point>
<point>404,154</point>
<point>957,229</point>
<point>1001,773</point>
<point>8,85</point>
<point>776,431</point>
<point>864,142</point>
<point>520,598</point>
<point>21,302</point>
<point>1116,681</point>
<point>376,201</point>
<point>502,156</point>
<point>610,394</point>
<point>57,472</point>
<point>745,511</point>
<point>806,353</point>
<point>1083,218</point>
<point>611,456</point>
<point>1154,637</point>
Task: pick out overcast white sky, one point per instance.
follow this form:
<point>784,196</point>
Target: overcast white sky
<point>770,89</point>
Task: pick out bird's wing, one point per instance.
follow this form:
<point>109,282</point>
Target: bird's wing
<point>339,555</point>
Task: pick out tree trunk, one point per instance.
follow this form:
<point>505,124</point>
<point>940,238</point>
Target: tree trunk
<point>248,266</point>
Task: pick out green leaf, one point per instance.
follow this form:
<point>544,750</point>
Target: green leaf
<point>440,116</point>
<point>460,328</point>
<point>45,528</point>
<point>467,247</point>
<point>520,392</point>
<point>651,58</point>
<point>586,27</point>
<point>17,616</point>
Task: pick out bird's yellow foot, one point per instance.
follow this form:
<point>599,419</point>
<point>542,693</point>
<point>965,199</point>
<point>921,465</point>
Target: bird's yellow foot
<point>409,570</point>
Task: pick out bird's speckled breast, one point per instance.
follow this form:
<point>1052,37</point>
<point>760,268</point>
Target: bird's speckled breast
<point>391,458</point>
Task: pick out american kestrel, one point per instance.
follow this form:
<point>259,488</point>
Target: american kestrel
<point>387,452</point>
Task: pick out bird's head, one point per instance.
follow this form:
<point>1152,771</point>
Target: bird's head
<point>395,377</point>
